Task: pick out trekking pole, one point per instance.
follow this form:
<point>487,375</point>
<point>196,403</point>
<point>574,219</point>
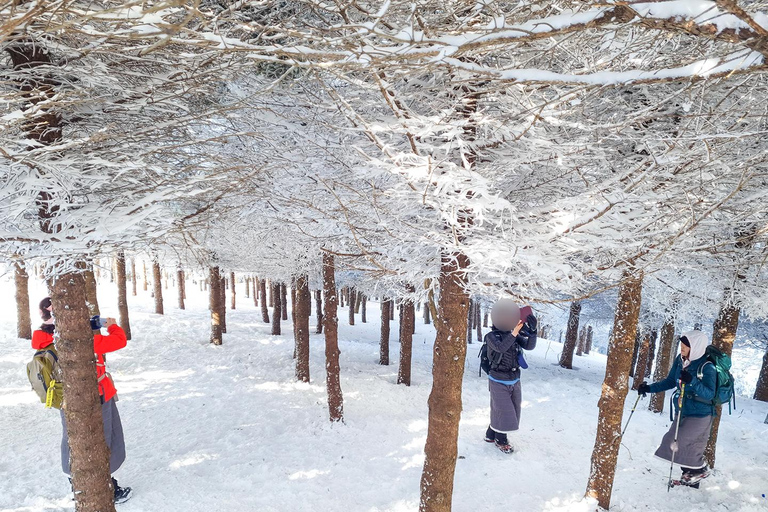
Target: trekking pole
<point>630,414</point>
<point>677,429</point>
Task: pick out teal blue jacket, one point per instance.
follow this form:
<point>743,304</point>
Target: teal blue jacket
<point>703,389</point>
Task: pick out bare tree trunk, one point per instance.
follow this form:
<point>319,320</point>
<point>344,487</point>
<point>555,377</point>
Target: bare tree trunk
<point>158,287</point>
<point>284,301</point>
<point>478,327</point>
<point>180,287</point>
<point>332,379</point>
<point>293,317</point>
<point>232,286</point>
<point>571,334</point>
<point>642,360</point>
<point>122,294</point>
<point>582,341</point>
<point>407,320</point>
<point>255,285</point>
<point>615,387</point>
<point>133,276</point>
<point>391,309</point>
<point>89,454</point>
<point>223,302</point>
<point>470,319</point>
<point>352,303</point>
<point>247,287</point>
<point>427,319</point>
<point>384,339</point>
<point>271,294</point>
<point>485,319</point>
<point>663,363</point>
<point>364,308</point>
<point>301,321</point>
<point>651,351</point>
<point>588,347</point>
<point>761,390</point>
<point>264,301</point>
<point>319,309</point>
<point>23,318</point>
<point>145,284</point>
<point>723,334</point>
<point>277,310</point>
<point>91,296</point>
<point>450,352</point>
<point>358,301</point>
<point>214,304</point>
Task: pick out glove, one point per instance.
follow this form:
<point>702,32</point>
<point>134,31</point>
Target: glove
<point>531,322</point>
<point>686,377</point>
<point>95,323</point>
<point>643,389</point>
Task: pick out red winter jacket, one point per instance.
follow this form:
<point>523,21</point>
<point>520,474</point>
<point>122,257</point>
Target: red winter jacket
<point>115,340</point>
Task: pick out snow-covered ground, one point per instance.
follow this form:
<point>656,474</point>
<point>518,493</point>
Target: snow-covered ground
<point>228,428</point>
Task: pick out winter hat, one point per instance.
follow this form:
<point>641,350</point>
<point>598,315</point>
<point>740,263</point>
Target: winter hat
<point>684,341</point>
<point>45,309</point>
<point>698,342</point>
<point>505,314</point>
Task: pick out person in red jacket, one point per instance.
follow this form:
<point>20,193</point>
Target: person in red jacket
<point>113,428</point>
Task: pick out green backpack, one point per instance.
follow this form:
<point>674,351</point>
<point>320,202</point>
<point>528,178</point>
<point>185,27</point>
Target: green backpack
<point>44,373</point>
<point>724,384</point>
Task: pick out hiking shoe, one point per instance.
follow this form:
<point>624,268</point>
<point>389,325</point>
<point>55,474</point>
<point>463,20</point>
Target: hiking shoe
<point>122,494</point>
<point>490,439</point>
<point>504,447</point>
<point>694,476</point>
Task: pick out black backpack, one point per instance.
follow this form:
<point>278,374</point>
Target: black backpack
<point>489,359</point>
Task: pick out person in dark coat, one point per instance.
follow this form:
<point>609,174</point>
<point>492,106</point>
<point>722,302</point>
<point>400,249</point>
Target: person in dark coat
<point>113,428</point>
<point>694,377</point>
<point>508,337</point>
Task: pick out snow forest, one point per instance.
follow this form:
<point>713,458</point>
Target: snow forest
<point>261,188</point>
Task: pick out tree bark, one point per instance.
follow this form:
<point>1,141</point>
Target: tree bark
<point>470,319</point>
<point>571,334</point>
<point>450,352</point>
<point>582,341</point>
<point>23,318</point>
<point>391,309</point>
<point>352,304</point>
<point>284,301</point>
<point>407,320</point>
<point>144,267</point>
<point>332,379</point>
<point>427,319</point>
<point>319,309</point>
<point>589,340</point>
<point>254,283</point>
<point>180,287</point>
<point>301,320</point>
<point>384,339</point>
<point>214,304</point>
<point>271,294</point>
<point>89,454</point>
<point>478,326</point>
<point>723,334</point>
<point>761,391</point>
<point>364,308</point>
<point>223,302</point>
<point>133,276</point>
<point>91,296</point>
<point>615,387</point>
<point>264,302</point>
<point>642,360</point>
<point>663,363</point>
<point>157,286</point>
<point>247,287</point>
<point>122,294</point>
<point>232,285</point>
<point>277,310</point>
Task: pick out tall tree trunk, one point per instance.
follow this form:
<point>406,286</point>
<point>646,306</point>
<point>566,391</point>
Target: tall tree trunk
<point>214,304</point>
<point>271,294</point>
<point>277,310</point>
<point>157,286</point>
<point>663,362</point>
<point>91,296</point>
<point>133,276</point>
<point>427,319</point>
<point>264,301</point>
<point>144,269</point>
<point>284,301</point>
<point>384,339</point>
<point>651,351</point>
<point>122,294</point>
<point>293,317</point>
<point>319,309</point>
<point>247,287</point>
<point>723,334</point>
<point>407,319</point>
<point>332,379</point>
<point>588,347</point>
<point>23,318</point>
<point>470,319</point>
<point>255,285</point>
<point>761,391</point>
<point>642,360</point>
<point>449,357</point>
<point>391,309</point>
<point>615,387</point>
<point>364,308</point>
<point>478,326</point>
<point>358,301</point>
<point>232,285</point>
<point>223,302</point>
<point>582,341</point>
<point>571,334</point>
<point>352,304</point>
<point>180,286</point>
<point>301,320</point>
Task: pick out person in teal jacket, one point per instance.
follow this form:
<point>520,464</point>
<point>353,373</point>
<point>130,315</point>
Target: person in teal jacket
<point>694,379</point>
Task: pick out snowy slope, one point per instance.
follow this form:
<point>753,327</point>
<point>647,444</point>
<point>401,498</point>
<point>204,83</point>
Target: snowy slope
<point>227,428</point>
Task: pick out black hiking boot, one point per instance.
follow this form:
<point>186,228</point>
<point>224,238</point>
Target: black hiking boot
<point>490,435</point>
<point>122,494</point>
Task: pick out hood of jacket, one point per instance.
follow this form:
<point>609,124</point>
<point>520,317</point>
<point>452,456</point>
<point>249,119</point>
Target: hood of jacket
<point>699,343</point>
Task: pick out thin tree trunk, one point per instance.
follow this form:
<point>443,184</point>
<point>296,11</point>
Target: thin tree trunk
<point>180,286</point>
<point>319,309</point>
<point>642,360</point>
<point>214,304</point>
<point>723,334</point>
<point>91,296</point>
<point>232,285</point>
<point>478,326</point>
<point>761,391</point>
<point>358,301</point>
<point>277,310</point>
<point>384,339</point>
<point>264,301</point>
<point>571,334</point>
<point>23,318</point>
<point>407,319</point>
<point>364,309</point>
<point>122,294</point>
<point>352,303</point>
<point>332,379</point>
<point>271,294</point>
<point>582,341</point>
<point>144,267</point>
<point>247,287</point>
<point>470,319</point>
<point>663,363</point>
<point>158,287</point>
<point>223,302</point>
<point>301,322</point>
<point>615,387</point>
<point>450,350</point>
<point>133,276</point>
<point>635,354</point>
<point>254,284</point>
<point>391,309</point>
<point>426,315</point>
<point>284,301</point>
<point>588,347</point>
<point>651,351</point>
<point>485,319</point>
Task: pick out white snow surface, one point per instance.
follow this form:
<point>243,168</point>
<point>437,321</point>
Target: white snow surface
<point>228,428</point>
